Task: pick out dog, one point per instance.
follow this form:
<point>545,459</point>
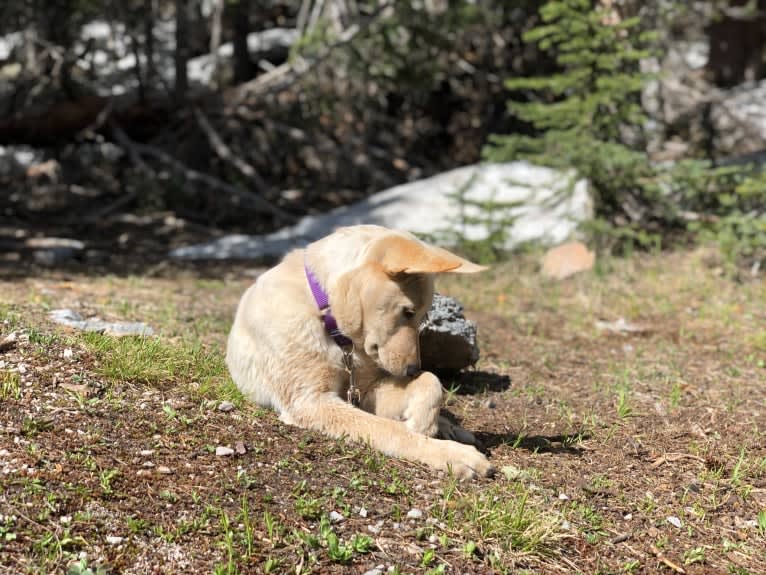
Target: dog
<point>329,339</point>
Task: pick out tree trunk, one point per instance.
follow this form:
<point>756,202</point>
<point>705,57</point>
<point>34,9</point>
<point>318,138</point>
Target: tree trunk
<point>149,40</point>
<point>243,67</point>
<point>183,8</point>
<point>215,38</point>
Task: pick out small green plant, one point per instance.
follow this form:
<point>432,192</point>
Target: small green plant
<point>695,555</point>
<point>273,528</point>
<point>470,549</point>
<point>428,557</point>
<point>81,567</point>
<point>761,520</point>
<point>308,507</point>
<point>137,525</point>
<point>105,480</point>
<point>271,565</point>
<point>10,385</point>
<point>7,531</point>
<point>624,407</point>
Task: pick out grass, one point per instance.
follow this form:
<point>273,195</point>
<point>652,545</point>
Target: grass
<point>10,385</point>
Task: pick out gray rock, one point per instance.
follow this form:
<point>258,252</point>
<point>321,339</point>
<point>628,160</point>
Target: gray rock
<point>52,251</point>
<point>739,120</point>
<point>428,207</point>
<point>71,318</point>
<point>225,406</point>
<point>336,517</point>
<point>414,514</point>
<point>447,339</point>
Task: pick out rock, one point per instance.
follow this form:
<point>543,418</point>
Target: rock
<point>114,540</point>
<point>223,451</point>
<point>272,45</point>
<point>566,260</point>
<point>225,406</point>
<point>335,517</point>
<point>674,521</point>
<point>53,251</point>
<point>428,207</point>
<point>374,571</point>
<point>71,318</point>
<point>414,514</point>
<point>447,339</point>
<point>738,118</point>
<point>375,529</point>
<point>8,342</point>
<point>240,448</point>
<point>362,512</point>
<point>621,326</point>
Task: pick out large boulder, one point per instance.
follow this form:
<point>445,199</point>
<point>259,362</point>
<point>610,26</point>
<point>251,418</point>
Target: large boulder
<point>544,210</point>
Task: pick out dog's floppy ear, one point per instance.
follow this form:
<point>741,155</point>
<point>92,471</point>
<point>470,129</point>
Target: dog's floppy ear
<point>347,303</point>
<point>398,254</point>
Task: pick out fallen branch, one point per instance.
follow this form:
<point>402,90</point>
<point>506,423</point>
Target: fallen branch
<point>670,457</point>
<point>194,176</point>
<point>290,72</point>
<point>224,152</point>
<point>661,557</point>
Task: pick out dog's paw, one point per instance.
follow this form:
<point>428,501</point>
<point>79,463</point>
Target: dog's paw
<point>465,461</point>
<point>453,432</point>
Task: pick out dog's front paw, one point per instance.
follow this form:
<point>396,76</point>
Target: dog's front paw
<point>465,461</point>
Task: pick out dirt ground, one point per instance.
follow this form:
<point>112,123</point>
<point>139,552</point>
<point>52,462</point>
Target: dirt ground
<point>639,450</point>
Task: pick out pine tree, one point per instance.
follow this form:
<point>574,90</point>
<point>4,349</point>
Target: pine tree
<point>587,117</point>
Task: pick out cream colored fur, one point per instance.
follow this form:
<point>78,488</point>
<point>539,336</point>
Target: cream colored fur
<point>380,285</point>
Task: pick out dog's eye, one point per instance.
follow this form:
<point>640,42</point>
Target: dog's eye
<point>408,312</point>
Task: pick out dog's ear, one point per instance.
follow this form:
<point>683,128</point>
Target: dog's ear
<point>347,303</point>
<point>398,254</point>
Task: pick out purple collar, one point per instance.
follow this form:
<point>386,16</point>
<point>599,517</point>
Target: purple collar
<point>323,303</point>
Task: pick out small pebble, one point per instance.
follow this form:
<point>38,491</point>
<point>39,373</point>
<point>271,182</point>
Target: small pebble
<point>375,528</point>
<point>146,452</point>
<point>375,571</point>
<point>362,512</point>
<point>336,517</point>
<point>113,540</point>
<point>240,448</point>
<point>563,496</point>
<point>164,469</point>
<point>225,406</point>
<point>414,514</point>
<point>674,521</point>
<point>223,451</point>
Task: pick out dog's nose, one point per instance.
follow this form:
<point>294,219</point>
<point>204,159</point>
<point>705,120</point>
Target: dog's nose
<point>412,370</point>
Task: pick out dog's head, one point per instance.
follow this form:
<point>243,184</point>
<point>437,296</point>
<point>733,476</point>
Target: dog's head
<point>381,304</point>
